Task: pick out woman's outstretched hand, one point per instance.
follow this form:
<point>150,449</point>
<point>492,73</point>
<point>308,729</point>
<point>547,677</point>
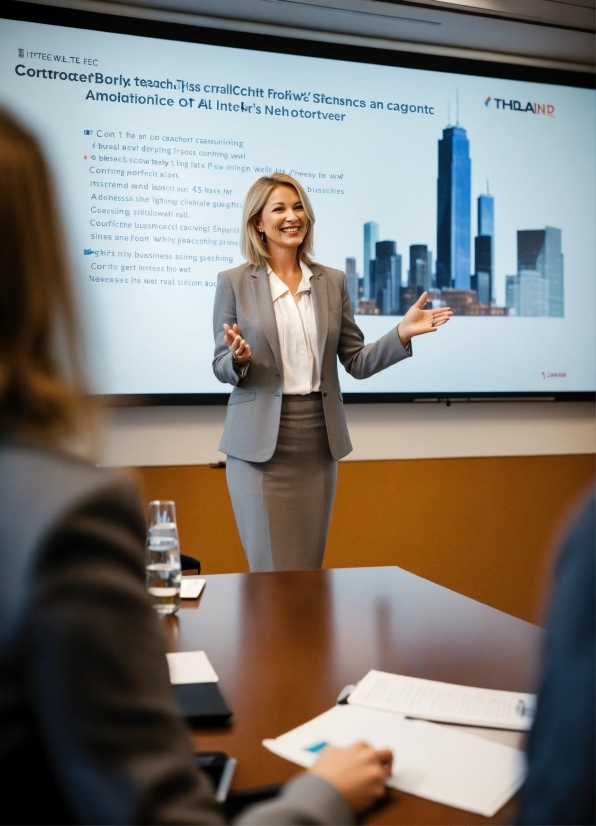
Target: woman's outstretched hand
<point>417,321</point>
<point>239,348</point>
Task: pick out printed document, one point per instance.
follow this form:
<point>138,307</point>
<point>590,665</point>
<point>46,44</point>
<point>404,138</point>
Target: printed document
<point>439,763</point>
<point>444,702</point>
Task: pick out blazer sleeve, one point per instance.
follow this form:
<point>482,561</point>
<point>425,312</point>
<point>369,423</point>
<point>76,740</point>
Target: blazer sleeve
<point>364,360</point>
<point>97,674</point>
<point>224,312</point>
<point>307,800</point>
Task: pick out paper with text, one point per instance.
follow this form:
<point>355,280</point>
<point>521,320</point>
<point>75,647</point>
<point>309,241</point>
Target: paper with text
<point>436,762</point>
<point>190,667</point>
<point>445,702</point>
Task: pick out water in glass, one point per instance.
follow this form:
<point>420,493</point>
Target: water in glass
<point>163,573</point>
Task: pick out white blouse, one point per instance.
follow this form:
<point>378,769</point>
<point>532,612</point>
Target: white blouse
<point>297,331</point>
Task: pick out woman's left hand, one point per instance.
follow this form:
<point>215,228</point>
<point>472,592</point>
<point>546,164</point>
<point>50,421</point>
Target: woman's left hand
<point>417,321</point>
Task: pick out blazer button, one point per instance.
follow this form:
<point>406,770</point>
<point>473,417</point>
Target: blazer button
<point>322,378</point>
<point>324,392</point>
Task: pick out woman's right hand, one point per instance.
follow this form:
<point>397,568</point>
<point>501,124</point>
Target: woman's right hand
<point>239,348</point>
<point>358,773</point>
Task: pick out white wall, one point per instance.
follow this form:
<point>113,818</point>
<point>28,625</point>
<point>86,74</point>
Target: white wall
<point>148,436</point>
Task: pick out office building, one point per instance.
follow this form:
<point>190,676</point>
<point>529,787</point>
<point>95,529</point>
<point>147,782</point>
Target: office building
<point>419,272</point>
<point>431,275</point>
<point>352,280</point>
<point>527,294</point>
<point>482,280</point>
<point>460,301</point>
<point>486,214</point>
<point>407,297</point>
<point>512,294</point>
<point>367,306</point>
<point>539,250</point>
<point>371,236</point>
<point>385,275</point>
<point>454,210</point>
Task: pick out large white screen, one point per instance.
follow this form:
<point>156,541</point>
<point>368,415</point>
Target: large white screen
<point>151,194</point>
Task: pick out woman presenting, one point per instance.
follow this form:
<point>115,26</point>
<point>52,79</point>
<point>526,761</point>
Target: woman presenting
<point>281,321</point>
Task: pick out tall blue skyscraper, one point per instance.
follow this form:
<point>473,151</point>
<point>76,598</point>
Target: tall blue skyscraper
<point>483,280</point>
<point>371,236</point>
<point>486,215</point>
<point>454,186</point>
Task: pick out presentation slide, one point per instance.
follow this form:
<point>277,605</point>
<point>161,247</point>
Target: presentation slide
<point>477,189</point>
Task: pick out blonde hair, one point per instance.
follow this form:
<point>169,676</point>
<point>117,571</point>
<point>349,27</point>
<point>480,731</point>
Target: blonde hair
<point>253,248</point>
<point>40,376</point>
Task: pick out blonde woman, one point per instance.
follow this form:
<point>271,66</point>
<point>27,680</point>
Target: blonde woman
<point>281,322</point>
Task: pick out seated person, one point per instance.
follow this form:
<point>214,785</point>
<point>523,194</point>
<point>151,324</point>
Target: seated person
<point>561,746</point>
<point>88,727</point>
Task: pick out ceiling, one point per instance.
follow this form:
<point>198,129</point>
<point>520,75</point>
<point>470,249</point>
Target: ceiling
<point>554,33</point>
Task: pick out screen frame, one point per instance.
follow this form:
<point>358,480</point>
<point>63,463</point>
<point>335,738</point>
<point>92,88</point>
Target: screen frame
<point>155,29</point>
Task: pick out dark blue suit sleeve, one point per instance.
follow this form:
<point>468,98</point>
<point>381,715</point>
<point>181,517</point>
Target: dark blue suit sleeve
<point>561,751</point>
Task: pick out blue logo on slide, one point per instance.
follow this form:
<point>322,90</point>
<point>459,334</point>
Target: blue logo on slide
<point>88,252</point>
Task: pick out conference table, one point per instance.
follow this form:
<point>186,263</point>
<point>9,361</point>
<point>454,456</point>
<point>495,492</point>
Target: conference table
<point>285,643</point>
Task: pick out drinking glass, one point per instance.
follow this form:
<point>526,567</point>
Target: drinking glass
<point>162,520</point>
<point>163,557</point>
<point>163,573</point>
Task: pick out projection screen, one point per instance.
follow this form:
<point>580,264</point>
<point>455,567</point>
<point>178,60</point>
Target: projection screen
<point>475,187</point>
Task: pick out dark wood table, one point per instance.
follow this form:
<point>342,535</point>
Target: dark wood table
<point>285,643</point>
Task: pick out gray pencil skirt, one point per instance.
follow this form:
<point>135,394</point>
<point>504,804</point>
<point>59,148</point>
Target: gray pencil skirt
<point>283,506</point>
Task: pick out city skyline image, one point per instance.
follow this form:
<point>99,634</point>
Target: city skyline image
<point>463,276</point>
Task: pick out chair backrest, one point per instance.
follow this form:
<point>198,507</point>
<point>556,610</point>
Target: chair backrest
<point>190,563</point>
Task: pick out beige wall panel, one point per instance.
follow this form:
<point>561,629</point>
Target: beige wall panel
<point>483,527</point>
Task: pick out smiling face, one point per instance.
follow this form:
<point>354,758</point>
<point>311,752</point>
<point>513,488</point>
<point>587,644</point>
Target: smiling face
<point>283,219</point>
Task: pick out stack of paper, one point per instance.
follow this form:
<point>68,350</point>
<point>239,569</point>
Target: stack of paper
<point>445,702</point>
<point>440,763</point>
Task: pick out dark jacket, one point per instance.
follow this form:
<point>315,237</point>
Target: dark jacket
<point>88,728</point>
<point>561,749</point>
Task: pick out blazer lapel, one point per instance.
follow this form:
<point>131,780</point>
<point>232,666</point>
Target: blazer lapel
<point>318,287</point>
<point>264,304</point>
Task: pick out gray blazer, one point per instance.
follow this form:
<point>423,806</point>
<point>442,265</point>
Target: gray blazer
<point>252,421</point>
<point>86,708</point>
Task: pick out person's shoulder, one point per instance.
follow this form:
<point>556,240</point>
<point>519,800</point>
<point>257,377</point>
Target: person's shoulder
<point>237,273</point>
<point>328,272</point>
<point>51,502</point>
<point>29,458</point>
<point>44,483</point>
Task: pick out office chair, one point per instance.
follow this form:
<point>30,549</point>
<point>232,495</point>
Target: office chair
<point>189,563</point>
